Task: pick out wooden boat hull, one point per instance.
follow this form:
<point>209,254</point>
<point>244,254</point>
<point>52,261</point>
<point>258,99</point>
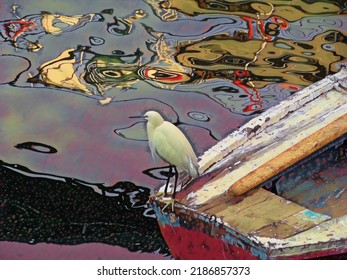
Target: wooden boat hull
<point>193,238</point>
<point>274,189</point>
<point>307,234</point>
<point>190,236</point>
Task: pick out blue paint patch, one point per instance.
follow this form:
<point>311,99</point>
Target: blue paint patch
<point>234,241</point>
<point>244,242</point>
<point>321,202</point>
<point>205,219</point>
<point>164,218</point>
<point>261,254</point>
<point>314,215</point>
<point>241,237</point>
<point>258,251</point>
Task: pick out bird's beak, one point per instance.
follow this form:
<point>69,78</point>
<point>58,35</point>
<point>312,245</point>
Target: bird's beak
<point>141,118</point>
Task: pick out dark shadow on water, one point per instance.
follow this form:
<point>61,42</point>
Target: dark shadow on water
<point>37,147</point>
<point>67,211</point>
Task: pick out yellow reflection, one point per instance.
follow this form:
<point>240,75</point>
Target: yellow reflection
<point>60,72</point>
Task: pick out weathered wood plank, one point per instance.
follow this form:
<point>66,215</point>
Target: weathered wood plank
<point>243,202</point>
<point>276,148</point>
<point>330,234</point>
<point>251,215</point>
<point>305,219</point>
<point>290,156</point>
<point>278,229</point>
<point>327,197</point>
<point>291,225</point>
<point>270,117</point>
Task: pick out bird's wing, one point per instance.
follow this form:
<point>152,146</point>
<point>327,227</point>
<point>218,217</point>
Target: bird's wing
<point>173,147</point>
<point>161,147</point>
<point>154,153</point>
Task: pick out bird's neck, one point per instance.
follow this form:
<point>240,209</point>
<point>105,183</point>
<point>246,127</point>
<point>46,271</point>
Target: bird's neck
<point>151,126</point>
<point>150,130</point>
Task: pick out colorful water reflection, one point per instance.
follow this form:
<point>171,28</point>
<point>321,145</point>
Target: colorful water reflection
<point>72,75</point>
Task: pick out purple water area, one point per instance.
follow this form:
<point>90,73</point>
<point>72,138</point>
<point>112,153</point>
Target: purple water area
<point>86,251</point>
<point>74,165</point>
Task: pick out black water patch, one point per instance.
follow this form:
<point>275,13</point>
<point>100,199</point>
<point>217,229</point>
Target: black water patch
<point>37,147</point>
<point>107,11</point>
<point>69,211</point>
<point>225,89</point>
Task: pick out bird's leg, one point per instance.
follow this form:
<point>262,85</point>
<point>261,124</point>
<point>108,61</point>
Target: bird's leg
<point>169,175</point>
<point>175,186</point>
<point>169,202</point>
<point>168,180</point>
<point>173,200</point>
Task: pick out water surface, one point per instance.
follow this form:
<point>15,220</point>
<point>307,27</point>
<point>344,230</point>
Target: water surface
<point>72,73</point>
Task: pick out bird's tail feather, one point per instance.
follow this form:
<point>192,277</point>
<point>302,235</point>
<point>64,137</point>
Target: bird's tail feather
<point>193,169</point>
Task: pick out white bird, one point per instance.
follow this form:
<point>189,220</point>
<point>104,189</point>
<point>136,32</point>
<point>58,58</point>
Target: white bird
<point>168,143</point>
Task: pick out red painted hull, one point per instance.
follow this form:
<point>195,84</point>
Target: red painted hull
<point>190,236</point>
<point>186,244</point>
<point>194,245</point>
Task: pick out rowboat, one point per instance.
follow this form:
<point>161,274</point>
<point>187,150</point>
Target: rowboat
<point>276,188</point>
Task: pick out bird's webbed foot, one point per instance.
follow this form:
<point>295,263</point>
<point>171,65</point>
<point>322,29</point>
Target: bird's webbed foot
<point>168,202</point>
<point>160,195</point>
